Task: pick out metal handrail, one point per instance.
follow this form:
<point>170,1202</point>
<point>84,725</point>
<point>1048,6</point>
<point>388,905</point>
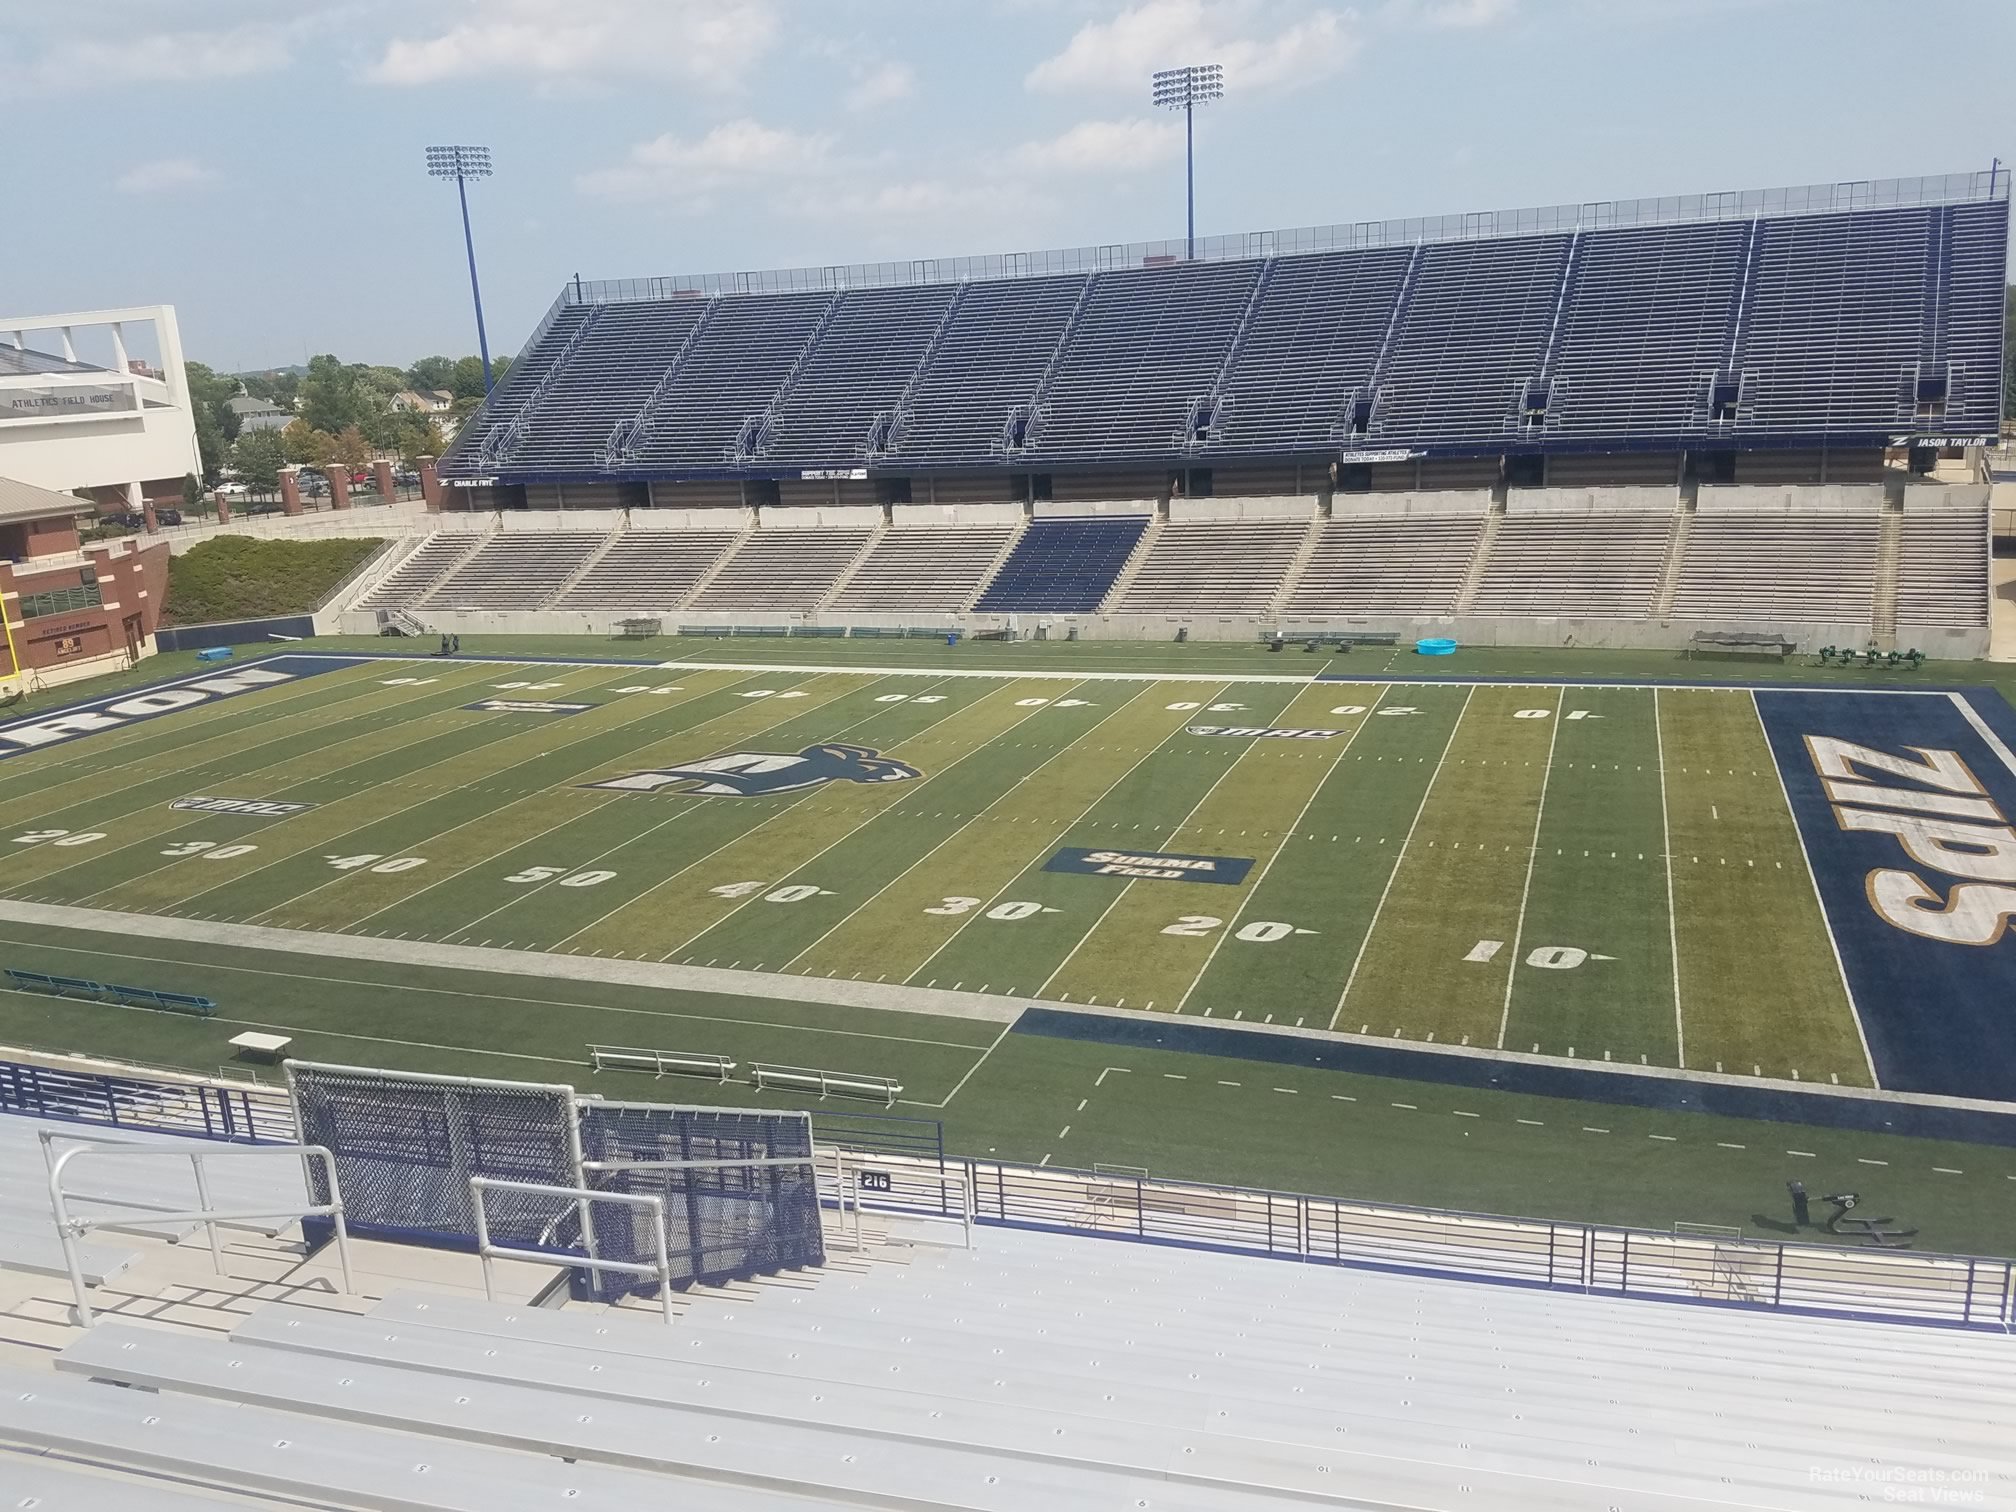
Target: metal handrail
<point>488,1252</point>
<point>70,1228</point>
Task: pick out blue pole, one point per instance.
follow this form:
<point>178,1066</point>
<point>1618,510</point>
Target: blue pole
<point>1190,182</point>
<point>475,289</point>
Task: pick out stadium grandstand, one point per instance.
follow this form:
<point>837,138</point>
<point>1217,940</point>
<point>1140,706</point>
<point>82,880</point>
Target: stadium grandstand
<point>1624,423</point>
<point>972,1337</point>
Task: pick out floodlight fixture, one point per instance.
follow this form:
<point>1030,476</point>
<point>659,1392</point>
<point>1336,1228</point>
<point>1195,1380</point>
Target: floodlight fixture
<point>1185,89</point>
<point>462,164</point>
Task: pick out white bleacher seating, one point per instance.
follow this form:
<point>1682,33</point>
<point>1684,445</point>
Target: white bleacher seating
<point>928,569</point>
<point>1816,565</point>
<point>1942,566</point>
<point>782,571</point>
<point>647,570</point>
<point>404,584</point>
<point>1590,564</point>
<point>1214,567</point>
<point>1368,563</point>
<point>516,570</point>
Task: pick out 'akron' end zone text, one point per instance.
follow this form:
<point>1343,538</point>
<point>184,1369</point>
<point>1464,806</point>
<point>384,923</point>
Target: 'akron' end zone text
<point>36,734</point>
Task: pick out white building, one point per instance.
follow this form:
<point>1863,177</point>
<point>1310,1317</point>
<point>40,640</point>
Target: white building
<point>115,426</point>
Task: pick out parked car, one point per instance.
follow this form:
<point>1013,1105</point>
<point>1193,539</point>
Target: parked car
<point>265,507</point>
<point>312,485</point>
<point>163,515</point>
<point>406,479</point>
<point>124,521</point>
<point>232,490</point>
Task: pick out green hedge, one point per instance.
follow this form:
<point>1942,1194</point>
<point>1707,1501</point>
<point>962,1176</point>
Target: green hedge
<point>239,577</point>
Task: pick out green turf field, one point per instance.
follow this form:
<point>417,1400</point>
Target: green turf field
<point>1594,873</point>
<point>1629,852</point>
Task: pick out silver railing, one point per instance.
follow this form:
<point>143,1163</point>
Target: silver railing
<point>70,1227</point>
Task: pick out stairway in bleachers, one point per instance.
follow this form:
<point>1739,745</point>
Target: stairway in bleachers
<point>647,570</point>
<point>409,582</point>
<point>1942,564</point>
<point>516,570</point>
<point>781,571</point>
<point>1218,567</point>
<point>1369,563</point>
<point>925,569</point>
<point>1576,564</point>
<point>1063,565</point>
<point>1816,566</point>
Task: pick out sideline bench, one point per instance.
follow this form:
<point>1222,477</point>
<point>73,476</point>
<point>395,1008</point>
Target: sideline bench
<point>827,1083</point>
<point>659,1062</point>
<point>132,997</point>
<point>1741,643</point>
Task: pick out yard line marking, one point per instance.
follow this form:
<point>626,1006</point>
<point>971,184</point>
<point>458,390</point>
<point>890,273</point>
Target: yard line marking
<point>1532,1122</point>
<point>785,811</point>
<point>1826,924</point>
<point>1665,1138</point>
<point>1988,736</point>
<point>1001,798</point>
<point>1410,1107</point>
<point>1002,891</point>
<point>1253,892</point>
<point>1672,912</point>
<point>430,795</point>
<point>1803,1154</point>
<point>1865,1160</point>
<point>1948,1171</point>
<point>241,777</point>
<point>1532,855</point>
<point>960,1084</point>
<point>1387,891</point>
<point>1169,837</point>
<point>1101,1081</point>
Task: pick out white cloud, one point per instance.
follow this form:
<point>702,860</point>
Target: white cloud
<point>1451,15</point>
<point>734,152</point>
<point>84,63</point>
<point>1260,43</point>
<point>707,42</point>
<point>882,85</point>
<point>1103,147</point>
<point>164,176</point>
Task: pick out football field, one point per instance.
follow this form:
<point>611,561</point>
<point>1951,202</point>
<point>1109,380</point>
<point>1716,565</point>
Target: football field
<point>1588,873</point>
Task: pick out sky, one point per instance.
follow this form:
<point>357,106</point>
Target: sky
<point>259,163</point>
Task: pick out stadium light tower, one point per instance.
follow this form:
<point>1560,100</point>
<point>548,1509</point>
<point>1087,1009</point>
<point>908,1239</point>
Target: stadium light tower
<point>462,164</point>
<point>1185,89</point>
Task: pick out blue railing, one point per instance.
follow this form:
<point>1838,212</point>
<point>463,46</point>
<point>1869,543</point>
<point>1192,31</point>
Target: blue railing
<point>245,1115</point>
<point>1699,1266</point>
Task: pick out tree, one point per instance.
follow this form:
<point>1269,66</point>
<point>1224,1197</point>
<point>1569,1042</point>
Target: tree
<point>352,450</point>
<point>332,395</point>
<point>431,373</point>
<point>259,456</point>
<point>279,389</point>
<point>421,439</point>
<point>192,493</point>
<point>305,445</point>
<point>216,423</point>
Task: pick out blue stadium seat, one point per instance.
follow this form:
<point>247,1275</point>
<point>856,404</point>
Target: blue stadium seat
<point>1063,566</point>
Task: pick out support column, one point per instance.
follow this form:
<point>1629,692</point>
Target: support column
<point>339,485</point>
<point>12,626</point>
<point>138,503</point>
<point>290,490</point>
<point>223,510</point>
<point>381,475</point>
<point>430,484</point>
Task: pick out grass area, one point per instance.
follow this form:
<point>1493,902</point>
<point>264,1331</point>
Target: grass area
<point>244,577</point>
<point>1598,873</point>
<point>1399,882</point>
<point>1192,1116</point>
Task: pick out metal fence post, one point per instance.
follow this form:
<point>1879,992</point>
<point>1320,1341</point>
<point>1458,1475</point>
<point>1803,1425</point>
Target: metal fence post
<point>1778,1280</point>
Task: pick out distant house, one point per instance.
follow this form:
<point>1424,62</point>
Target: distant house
<point>257,414</point>
<point>431,402</point>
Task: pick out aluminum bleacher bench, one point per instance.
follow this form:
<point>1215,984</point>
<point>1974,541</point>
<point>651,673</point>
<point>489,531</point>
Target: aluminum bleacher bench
<point>171,1002</point>
<point>659,1062</point>
<point>255,1449</point>
<point>51,1486</point>
<point>62,986</point>
<point>827,1083</point>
